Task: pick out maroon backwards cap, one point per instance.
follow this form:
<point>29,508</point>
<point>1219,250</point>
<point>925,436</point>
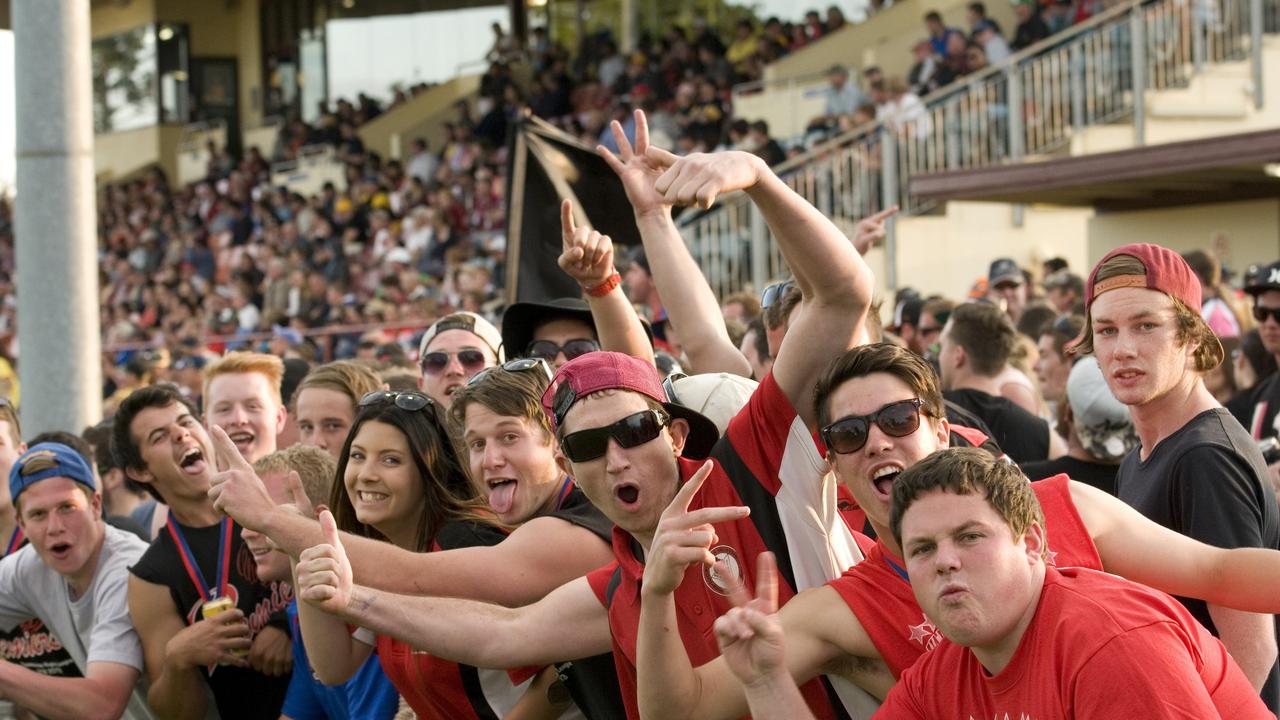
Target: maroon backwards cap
<point>1166,272</point>
<point>603,370</point>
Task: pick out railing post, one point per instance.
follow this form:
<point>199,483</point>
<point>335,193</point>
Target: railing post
<point>1197,34</point>
<point>953,133</point>
<point>889,193</point>
<point>1256,21</point>
<point>1016,129</point>
<point>1138,58</point>
<point>759,249</point>
<point>1077,87</point>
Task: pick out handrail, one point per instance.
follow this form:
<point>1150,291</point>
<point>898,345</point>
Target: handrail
<point>1032,103</point>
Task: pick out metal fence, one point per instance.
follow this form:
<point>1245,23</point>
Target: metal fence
<point>1032,104</point>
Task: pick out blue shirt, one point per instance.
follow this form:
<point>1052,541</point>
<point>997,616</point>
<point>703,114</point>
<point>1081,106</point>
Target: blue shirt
<point>368,695</point>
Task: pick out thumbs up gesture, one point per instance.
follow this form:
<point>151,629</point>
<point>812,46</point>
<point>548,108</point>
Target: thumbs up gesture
<point>323,571</point>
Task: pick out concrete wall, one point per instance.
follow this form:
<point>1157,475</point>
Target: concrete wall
<point>1251,230</point>
<point>220,29</point>
<point>119,154</point>
<point>391,133</point>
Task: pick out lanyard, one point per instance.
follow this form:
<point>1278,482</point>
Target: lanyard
<point>207,592</point>
<point>15,542</point>
<point>565,489</point>
<point>902,572</point>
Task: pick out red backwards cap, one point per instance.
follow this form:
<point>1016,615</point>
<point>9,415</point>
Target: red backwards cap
<point>1166,272</point>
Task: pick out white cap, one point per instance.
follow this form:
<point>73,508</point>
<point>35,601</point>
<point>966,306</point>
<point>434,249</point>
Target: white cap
<point>398,255</point>
<point>718,396</point>
<point>1102,422</point>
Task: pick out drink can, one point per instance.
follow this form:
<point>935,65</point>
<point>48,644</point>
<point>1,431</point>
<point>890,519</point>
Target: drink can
<point>217,606</point>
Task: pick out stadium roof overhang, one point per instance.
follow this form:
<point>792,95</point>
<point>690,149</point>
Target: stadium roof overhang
<point>1219,169</point>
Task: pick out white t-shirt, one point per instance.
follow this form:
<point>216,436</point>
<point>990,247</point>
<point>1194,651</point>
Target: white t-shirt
<point>94,627</point>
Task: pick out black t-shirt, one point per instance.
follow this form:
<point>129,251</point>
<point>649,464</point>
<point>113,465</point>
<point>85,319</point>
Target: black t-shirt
<point>1023,436</point>
<point>1099,475</point>
<point>238,692</point>
<point>1207,481</point>
<point>591,682</point>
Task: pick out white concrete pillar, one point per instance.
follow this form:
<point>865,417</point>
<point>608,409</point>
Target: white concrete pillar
<point>59,336</point>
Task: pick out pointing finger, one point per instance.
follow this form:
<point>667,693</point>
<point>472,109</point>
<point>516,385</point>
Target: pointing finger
<point>767,581</point>
<point>884,214</point>
<point>567,226</point>
<point>685,495</point>
<point>225,454</point>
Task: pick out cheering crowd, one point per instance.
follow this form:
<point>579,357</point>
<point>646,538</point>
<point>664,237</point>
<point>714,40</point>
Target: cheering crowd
<point>1015,503</point>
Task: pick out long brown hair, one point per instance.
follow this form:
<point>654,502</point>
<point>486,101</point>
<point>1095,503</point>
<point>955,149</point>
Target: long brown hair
<point>448,494</point>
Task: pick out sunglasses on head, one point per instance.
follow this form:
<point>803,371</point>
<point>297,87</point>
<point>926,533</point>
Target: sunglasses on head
<point>849,434</point>
<point>434,362</point>
<point>521,365</point>
<point>669,387</point>
<point>548,350</point>
<point>774,293</point>
<point>408,401</point>
<point>630,431</point>
<point>1261,313</point>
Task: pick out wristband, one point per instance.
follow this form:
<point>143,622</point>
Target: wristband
<point>604,288</point>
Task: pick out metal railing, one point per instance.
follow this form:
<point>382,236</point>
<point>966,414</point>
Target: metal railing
<point>1032,104</point>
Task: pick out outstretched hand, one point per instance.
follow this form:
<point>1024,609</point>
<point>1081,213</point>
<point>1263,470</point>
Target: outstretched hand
<point>698,179</point>
<point>235,489</point>
<point>750,635</point>
<point>586,255</point>
<point>324,572</point>
<point>870,231</point>
<point>634,167</point>
<point>684,538</point>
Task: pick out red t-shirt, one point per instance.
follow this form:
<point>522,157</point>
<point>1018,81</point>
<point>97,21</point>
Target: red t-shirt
<point>438,689</point>
<point>766,462</point>
<point>1099,647</point>
<point>878,593</point>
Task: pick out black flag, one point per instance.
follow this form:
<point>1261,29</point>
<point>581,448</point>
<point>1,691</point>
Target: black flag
<point>548,166</point>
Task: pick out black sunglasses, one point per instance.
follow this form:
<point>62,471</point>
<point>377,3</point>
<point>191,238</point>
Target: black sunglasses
<point>434,363</point>
<point>521,365</point>
<point>849,434</point>
<point>774,293</point>
<point>1261,313</point>
<point>630,431</point>
<point>408,401</point>
<point>548,350</point>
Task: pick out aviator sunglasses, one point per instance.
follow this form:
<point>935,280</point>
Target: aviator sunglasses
<point>849,434</point>
<point>434,363</point>
<point>547,350</point>
<point>407,401</point>
<point>521,365</point>
<point>630,431</point>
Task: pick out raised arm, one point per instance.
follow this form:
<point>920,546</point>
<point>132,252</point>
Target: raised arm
<point>569,623</point>
<point>834,281</point>
<point>587,257</point>
<point>532,561</point>
<point>691,305</point>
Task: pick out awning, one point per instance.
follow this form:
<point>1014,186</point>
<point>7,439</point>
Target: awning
<point>1218,169</point>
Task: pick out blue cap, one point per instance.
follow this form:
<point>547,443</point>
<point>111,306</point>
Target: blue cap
<point>48,460</point>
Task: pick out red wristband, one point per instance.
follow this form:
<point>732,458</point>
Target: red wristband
<point>605,287</point>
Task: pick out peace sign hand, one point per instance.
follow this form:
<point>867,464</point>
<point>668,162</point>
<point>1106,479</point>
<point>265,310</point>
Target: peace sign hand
<point>750,635</point>
<point>235,489</point>
<point>684,538</point>
<point>637,171</point>
<point>587,256</point>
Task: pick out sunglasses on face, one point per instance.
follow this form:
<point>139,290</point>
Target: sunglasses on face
<point>408,401</point>
<point>630,431</point>
<point>521,365</point>
<point>548,350</point>
<point>774,293</point>
<point>434,363</point>
<point>1261,313</point>
<point>849,434</point>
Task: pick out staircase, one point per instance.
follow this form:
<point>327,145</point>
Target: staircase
<point>1139,73</point>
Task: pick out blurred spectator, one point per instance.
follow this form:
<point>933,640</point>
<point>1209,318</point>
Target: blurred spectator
<point>1221,317</point>
<point>993,43</point>
<point>976,14</point>
<point>764,146</point>
<point>842,97</point>
<point>939,34</point>
<point>1065,292</point>
<point>1031,28</point>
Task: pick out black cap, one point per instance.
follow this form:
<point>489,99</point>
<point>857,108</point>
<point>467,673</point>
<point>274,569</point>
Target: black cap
<point>1004,269</point>
<point>1266,277</point>
<point>522,319</point>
